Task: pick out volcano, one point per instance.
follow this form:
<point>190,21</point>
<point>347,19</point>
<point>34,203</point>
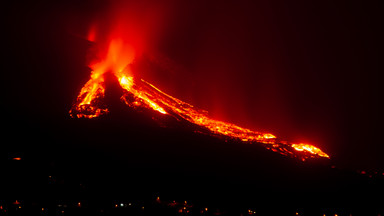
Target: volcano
<point>140,95</point>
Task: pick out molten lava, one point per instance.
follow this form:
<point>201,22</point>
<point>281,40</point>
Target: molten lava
<point>309,148</point>
<point>139,93</point>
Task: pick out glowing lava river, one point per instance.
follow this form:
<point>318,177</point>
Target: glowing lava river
<point>139,93</point>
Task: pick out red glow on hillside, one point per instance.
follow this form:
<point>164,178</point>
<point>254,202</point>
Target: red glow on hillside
<point>126,38</point>
<point>139,93</point>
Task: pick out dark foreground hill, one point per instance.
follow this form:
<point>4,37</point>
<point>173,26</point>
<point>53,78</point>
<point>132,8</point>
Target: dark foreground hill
<point>130,156</point>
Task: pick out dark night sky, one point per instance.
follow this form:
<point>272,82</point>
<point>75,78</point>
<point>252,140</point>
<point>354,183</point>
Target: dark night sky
<point>303,70</point>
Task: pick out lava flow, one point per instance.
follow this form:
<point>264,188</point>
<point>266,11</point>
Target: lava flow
<point>139,93</point>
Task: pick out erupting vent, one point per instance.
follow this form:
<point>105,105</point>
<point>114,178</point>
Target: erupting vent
<point>140,93</point>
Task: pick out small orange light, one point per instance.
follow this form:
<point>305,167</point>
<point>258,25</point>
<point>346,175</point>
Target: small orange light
<point>16,158</point>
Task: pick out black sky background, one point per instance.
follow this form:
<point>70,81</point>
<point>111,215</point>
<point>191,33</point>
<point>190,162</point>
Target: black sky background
<point>303,70</point>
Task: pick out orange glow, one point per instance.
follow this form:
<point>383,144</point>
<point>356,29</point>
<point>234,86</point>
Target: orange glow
<point>309,148</point>
<point>89,101</point>
<point>138,93</point>
<point>16,158</point>
<point>144,97</point>
<point>187,112</point>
